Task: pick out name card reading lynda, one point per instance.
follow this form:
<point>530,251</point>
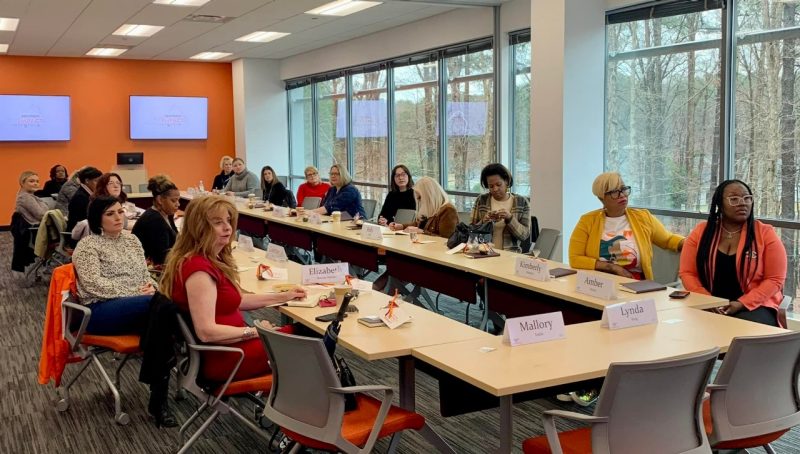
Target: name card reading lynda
<point>532,268</point>
<point>629,314</point>
<point>596,285</point>
<point>534,328</point>
<point>371,232</point>
<point>329,273</point>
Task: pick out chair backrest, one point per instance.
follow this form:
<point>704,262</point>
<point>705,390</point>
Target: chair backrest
<point>369,207</point>
<point>465,217</point>
<point>143,187</point>
<point>782,309</point>
<point>289,199</point>
<point>656,404</point>
<point>126,188</point>
<point>546,242</point>
<point>534,229</point>
<point>665,265</point>
<point>404,216</point>
<point>284,181</point>
<point>189,367</point>
<point>760,394</point>
<point>310,203</point>
<point>300,400</point>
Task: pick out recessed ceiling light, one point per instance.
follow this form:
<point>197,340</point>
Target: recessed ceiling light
<point>182,2</point>
<point>210,55</point>
<point>3,48</point>
<point>342,7</point>
<point>138,30</point>
<point>8,24</point>
<point>106,52</point>
<point>262,37</point>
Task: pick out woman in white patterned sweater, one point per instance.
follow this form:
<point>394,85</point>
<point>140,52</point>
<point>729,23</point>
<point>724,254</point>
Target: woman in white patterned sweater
<point>112,274</point>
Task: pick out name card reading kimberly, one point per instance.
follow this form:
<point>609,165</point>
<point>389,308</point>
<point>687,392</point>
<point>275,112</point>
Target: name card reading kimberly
<point>371,232</point>
<point>534,328</point>
<point>280,211</point>
<point>324,274</point>
<point>277,253</point>
<point>596,285</point>
<point>629,314</point>
<point>532,268</point>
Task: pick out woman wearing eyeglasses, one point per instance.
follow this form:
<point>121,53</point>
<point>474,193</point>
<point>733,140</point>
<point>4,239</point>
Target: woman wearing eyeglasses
<point>313,187</point>
<point>735,257</point>
<point>617,239</point>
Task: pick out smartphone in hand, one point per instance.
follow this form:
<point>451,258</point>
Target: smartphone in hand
<point>679,294</point>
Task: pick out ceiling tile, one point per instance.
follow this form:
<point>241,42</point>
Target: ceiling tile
<point>43,23</point>
<point>95,23</point>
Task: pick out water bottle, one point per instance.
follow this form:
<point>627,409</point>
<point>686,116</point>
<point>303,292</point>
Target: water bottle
<point>201,188</point>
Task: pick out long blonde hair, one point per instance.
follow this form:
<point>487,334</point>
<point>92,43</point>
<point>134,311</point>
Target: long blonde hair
<point>197,238</point>
<point>431,197</point>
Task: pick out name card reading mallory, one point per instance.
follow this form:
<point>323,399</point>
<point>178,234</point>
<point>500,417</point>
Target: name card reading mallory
<point>371,232</point>
<point>629,314</point>
<point>277,253</point>
<point>534,328</point>
<point>324,274</point>
<point>596,285</point>
<point>532,268</point>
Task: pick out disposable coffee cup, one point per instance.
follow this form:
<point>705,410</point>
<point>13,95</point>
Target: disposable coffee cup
<point>336,216</point>
<point>340,291</point>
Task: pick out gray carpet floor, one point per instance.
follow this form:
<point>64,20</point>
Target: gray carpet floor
<point>29,422</point>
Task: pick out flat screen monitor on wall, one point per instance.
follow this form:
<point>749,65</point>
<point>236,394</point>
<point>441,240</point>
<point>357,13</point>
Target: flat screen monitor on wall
<point>33,118</point>
<point>169,117</point>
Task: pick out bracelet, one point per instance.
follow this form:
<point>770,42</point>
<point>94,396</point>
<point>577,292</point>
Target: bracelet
<point>248,332</point>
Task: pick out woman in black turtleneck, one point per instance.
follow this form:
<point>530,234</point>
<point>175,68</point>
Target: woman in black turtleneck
<point>273,190</point>
<point>400,197</point>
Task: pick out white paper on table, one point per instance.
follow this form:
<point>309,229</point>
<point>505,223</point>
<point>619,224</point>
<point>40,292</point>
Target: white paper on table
<point>278,274</point>
<point>361,285</point>
<point>399,316</point>
<point>458,248</point>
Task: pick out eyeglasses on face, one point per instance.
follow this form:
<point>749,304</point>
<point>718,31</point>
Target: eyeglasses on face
<point>736,200</point>
<point>617,193</point>
<point>311,174</point>
<point>334,173</point>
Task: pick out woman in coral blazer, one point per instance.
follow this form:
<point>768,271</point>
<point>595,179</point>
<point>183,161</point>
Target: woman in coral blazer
<point>735,257</point>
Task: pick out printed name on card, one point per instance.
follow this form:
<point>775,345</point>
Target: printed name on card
<point>371,232</point>
<point>532,268</point>
<point>394,317</point>
<point>534,328</point>
<point>329,273</point>
<point>276,253</point>
<point>245,243</point>
<point>280,211</point>
<point>314,218</point>
<point>629,314</point>
<point>597,285</point>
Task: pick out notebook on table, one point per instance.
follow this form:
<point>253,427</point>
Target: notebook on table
<point>561,272</point>
<point>642,287</point>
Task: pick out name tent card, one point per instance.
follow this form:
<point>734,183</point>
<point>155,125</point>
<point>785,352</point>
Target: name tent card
<point>629,314</point>
<point>280,211</point>
<point>597,285</point>
<point>329,273</point>
<point>314,218</point>
<point>532,268</point>
<point>371,232</point>
<point>276,253</point>
<point>395,317</point>
<point>246,243</point>
<point>534,328</point>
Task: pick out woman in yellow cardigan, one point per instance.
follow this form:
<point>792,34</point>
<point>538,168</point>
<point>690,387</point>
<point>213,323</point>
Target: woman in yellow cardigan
<point>617,239</point>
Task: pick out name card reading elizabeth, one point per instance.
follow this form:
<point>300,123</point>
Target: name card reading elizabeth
<point>314,218</point>
<point>596,285</point>
<point>280,211</point>
<point>276,253</point>
<point>629,314</point>
<point>245,243</point>
<point>371,232</point>
<point>329,273</point>
<point>532,268</point>
<point>534,328</point>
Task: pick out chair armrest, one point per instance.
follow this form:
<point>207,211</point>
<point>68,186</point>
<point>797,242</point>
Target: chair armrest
<point>548,421</point>
<point>86,313</point>
<point>359,389</point>
<point>713,388</point>
<point>220,348</point>
<point>386,403</point>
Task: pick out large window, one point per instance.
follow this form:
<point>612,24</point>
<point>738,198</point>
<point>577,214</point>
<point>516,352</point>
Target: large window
<point>674,129</point>
<point>521,111</point>
<point>301,133</point>
<point>331,124</point>
<point>416,117</point>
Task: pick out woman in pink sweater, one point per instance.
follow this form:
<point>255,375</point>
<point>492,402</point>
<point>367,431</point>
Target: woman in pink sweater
<point>736,257</point>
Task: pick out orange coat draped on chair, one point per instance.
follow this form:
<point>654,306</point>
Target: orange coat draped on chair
<point>55,349</point>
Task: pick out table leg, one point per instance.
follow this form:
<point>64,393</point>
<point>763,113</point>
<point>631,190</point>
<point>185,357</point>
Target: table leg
<point>506,425</point>
<point>408,402</point>
<point>485,318</point>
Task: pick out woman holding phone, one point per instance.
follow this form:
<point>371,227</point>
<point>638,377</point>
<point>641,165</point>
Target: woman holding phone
<point>511,213</point>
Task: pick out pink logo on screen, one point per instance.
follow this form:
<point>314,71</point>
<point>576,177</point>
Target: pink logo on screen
<point>29,120</point>
<point>171,120</point>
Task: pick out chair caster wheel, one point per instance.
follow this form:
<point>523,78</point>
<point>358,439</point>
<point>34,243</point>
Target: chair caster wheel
<point>180,395</point>
<point>122,419</point>
<point>62,405</point>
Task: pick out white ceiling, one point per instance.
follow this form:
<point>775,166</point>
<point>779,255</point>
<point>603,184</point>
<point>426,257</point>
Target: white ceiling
<point>70,28</point>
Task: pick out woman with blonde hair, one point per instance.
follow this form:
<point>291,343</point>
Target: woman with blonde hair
<point>342,196</point>
<point>616,239</point>
<point>201,279</point>
<point>226,170</point>
<point>313,187</point>
<point>435,214</point>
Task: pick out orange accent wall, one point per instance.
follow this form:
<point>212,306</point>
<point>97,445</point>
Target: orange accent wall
<point>99,91</point>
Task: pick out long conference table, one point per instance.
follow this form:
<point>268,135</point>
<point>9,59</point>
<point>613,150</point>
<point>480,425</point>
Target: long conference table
<point>471,355</point>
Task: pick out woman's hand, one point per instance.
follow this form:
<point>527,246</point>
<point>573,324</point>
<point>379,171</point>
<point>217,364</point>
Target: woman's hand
<point>732,308</point>
<point>396,226</point>
<point>382,220</point>
<point>147,289</point>
<point>296,293</point>
<point>264,324</point>
<point>502,213</point>
<point>612,268</point>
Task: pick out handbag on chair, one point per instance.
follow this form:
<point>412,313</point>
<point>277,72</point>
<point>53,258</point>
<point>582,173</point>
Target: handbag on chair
<point>481,233</point>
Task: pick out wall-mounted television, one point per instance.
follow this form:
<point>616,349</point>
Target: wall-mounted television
<point>169,117</point>
<point>34,118</point>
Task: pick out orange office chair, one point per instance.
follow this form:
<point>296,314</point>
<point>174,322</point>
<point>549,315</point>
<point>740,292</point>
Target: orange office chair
<point>84,347</point>
<point>307,401</point>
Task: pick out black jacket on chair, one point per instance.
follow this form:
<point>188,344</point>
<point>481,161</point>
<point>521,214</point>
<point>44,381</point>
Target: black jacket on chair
<point>23,252</point>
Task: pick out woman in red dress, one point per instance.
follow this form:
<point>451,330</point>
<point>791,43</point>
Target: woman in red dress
<point>200,277</point>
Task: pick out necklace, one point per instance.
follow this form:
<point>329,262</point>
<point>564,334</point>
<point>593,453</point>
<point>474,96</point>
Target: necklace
<point>728,233</point>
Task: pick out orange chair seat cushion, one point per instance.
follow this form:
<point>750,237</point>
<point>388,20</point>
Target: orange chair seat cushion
<point>249,385</point>
<point>742,443</point>
<point>357,424</point>
<point>578,441</point>
<point>128,343</point>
